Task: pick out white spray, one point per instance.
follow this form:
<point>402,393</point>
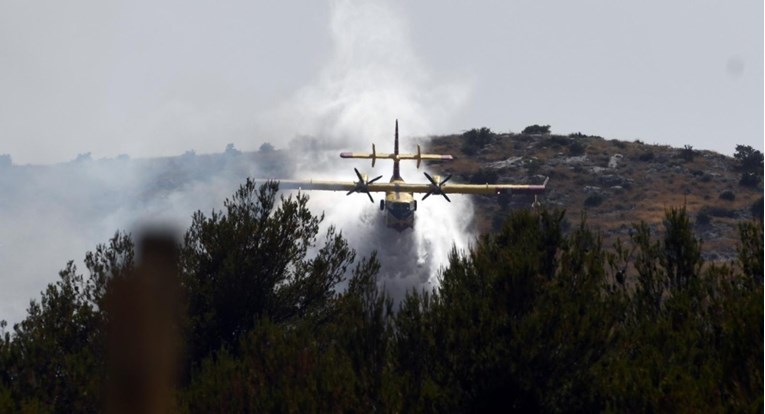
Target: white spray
<point>373,78</point>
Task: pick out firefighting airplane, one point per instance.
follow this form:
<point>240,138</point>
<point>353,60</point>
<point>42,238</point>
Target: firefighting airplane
<point>399,196</point>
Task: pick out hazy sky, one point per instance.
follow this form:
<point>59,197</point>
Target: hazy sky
<point>148,78</point>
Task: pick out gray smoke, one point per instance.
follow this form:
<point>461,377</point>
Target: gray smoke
<point>373,78</point>
<point>50,214</point>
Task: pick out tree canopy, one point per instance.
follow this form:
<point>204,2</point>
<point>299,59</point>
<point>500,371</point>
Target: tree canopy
<point>273,316</point>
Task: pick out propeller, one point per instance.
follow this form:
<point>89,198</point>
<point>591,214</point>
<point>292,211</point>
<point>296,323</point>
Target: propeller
<point>435,188</point>
<point>362,186</point>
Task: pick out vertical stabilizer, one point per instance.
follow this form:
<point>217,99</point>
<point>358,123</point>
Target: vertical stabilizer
<point>396,175</point>
<point>395,148</point>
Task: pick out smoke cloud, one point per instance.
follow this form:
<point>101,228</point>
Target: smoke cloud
<point>373,78</point>
<point>54,213</point>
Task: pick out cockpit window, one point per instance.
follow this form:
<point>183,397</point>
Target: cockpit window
<point>400,207</point>
<point>401,211</point>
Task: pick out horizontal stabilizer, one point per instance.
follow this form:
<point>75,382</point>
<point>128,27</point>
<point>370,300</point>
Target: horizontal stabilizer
<point>374,155</point>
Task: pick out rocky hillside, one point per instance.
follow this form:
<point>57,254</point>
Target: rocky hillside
<point>614,183</point>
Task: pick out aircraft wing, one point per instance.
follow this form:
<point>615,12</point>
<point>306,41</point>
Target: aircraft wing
<point>484,189</point>
<point>324,185</point>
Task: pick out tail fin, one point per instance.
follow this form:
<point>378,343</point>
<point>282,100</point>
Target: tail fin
<point>395,148</point>
<point>396,171</point>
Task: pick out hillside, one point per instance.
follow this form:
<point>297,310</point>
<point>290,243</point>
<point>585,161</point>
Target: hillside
<point>259,310</point>
<point>614,183</point>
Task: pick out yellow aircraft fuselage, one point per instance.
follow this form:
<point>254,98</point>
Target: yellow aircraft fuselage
<point>400,207</point>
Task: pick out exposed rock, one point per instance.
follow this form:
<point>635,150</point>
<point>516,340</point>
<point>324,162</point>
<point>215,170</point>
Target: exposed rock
<point>504,163</point>
<point>613,162</point>
<point>576,160</point>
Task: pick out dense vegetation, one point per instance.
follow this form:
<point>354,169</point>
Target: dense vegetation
<point>531,319</point>
<point>750,163</point>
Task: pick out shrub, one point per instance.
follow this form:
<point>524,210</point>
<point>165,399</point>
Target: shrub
<point>749,179</point>
<point>559,140</point>
<point>706,178</point>
<point>231,150</point>
<point>536,130</point>
<point>727,195</point>
<point>484,177</point>
<point>703,218</point>
<point>757,208</point>
<point>576,148</point>
<point>646,156</point>
<point>533,165</point>
<point>687,153</point>
<point>749,159</point>
<point>475,139</point>
<point>718,211</point>
<point>593,200</point>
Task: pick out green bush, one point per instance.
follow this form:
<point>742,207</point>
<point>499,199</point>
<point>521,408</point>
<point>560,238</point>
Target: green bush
<point>559,140</point>
<point>687,153</point>
<point>749,179</point>
<point>618,144</point>
<point>703,218</point>
<point>536,130</point>
<point>646,156</point>
<point>718,211</point>
<point>593,200</point>
<point>475,139</point>
<point>749,159</point>
<point>533,165</point>
<point>484,176</point>
<point>757,209</point>
<point>576,149</point>
<point>727,195</point>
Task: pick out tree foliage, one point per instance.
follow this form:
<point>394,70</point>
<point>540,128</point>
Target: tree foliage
<point>475,139</point>
<point>532,318</point>
<point>536,129</point>
<point>749,159</point>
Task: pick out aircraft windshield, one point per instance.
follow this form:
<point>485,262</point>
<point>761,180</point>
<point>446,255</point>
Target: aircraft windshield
<point>400,210</point>
<point>400,207</point>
